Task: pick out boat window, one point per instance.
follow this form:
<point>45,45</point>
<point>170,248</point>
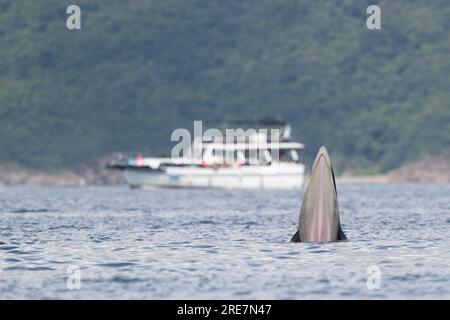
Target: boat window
<point>289,155</point>
<point>241,157</point>
<point>254,157</point>
<point>265,157</point>
<point>230,157</point>
<point>213,156</point>
<point>294,155</point>
<point>218,156</point>
<point>246,155</point>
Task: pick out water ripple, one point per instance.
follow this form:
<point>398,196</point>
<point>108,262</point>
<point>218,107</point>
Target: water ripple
<point>218,244</point>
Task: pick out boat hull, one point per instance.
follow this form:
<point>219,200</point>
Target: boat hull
<point>251,177</point>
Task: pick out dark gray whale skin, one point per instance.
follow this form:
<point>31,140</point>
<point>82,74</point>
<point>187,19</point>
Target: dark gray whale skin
<point>319,219</point>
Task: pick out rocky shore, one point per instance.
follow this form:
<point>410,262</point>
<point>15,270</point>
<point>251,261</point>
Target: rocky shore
<point>431,170</point>
<point>94,175</point>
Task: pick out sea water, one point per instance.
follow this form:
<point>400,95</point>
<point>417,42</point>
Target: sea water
<point>119,243</point>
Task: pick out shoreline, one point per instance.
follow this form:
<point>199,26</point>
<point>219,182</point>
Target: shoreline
<point>12,175</point>
<point>375,179</point>
<point>428,171</point>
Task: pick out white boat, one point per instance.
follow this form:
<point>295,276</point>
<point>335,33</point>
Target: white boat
<point>211,170</point>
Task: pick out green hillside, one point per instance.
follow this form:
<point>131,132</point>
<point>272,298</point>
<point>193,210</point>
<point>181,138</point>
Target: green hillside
<point>140,68</point>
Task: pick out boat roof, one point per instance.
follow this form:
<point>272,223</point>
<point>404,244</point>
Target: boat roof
<point>243,146</point>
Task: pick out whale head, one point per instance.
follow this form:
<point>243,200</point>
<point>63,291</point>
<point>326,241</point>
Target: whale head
<point>319,214</point>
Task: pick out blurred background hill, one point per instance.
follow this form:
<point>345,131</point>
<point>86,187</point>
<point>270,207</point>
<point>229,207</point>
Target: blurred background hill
<point>139,69</point>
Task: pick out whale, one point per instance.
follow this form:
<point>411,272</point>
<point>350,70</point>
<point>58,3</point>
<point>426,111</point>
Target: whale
<point>319,219</point>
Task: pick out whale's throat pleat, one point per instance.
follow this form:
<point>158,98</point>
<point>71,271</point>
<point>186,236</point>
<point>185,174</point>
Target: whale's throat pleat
<point>320,229</point>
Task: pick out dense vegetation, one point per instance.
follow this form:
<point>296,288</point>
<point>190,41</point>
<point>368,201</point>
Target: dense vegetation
<point>140,68</point>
